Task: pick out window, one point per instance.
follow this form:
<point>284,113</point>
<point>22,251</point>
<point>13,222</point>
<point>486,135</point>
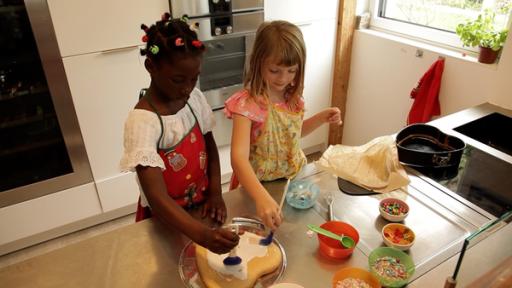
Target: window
<point>434,20</point>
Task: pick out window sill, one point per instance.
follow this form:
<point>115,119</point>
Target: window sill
<point>468,56</point>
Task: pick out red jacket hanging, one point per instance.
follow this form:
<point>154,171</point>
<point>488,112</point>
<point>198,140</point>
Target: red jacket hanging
<point>426,95</point>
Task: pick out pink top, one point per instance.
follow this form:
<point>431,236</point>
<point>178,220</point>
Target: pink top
<point>242,103</point>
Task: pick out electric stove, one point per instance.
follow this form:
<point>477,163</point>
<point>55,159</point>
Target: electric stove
<point>480,178</point>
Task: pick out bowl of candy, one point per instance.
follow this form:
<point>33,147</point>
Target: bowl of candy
<point>391,266</point>
<point>398,236</point>
<point>393,209</point>
<point>350,277</point>
<point>302,194</point>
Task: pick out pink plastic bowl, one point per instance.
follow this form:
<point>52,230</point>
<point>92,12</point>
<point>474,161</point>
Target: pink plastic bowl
<point>332,248</point>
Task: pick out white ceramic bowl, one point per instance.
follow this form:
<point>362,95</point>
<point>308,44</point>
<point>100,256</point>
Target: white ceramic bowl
<point>393,209</point>
<point>398,236</point>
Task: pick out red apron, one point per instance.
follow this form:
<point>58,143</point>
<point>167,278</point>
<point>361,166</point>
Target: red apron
<point>185,173</point>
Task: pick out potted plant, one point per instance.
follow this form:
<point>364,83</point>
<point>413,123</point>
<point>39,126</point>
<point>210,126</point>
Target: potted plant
<point>482,33</point>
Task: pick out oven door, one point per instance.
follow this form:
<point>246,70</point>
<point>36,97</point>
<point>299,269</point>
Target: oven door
<point>222,75</point>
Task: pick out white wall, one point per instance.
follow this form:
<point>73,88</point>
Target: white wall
<point>384,70</point>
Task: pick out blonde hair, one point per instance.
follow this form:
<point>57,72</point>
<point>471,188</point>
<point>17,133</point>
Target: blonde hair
<point>282,42</point>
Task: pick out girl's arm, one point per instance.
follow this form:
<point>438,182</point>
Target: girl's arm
<point>329,115</point>
<point>266,207</point>
<point>168,211</point>
<point>215,206</point>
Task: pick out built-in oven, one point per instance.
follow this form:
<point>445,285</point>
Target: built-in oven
<point>227,28</point>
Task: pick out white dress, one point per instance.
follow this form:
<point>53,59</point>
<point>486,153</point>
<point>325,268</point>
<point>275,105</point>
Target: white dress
<point>142,130</point>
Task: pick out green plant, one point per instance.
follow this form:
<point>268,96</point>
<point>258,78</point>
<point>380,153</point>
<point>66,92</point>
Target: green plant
<point>481,32</point>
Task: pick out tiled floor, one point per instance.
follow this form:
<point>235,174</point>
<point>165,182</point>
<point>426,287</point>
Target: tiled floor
<point>62,241</point>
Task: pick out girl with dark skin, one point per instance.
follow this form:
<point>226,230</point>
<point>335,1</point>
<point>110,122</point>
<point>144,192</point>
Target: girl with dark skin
<point>169,143</point>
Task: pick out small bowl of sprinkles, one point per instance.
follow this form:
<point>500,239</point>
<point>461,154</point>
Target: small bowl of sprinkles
<point>354,277</point>
<point>393,209</point>
<point>391,266</point>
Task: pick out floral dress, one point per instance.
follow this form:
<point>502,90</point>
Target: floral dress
<point>275,136</point>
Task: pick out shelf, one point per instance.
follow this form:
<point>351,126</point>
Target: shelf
<point>23,93</point>
<point>27,120</point>
<point>30,146</point>
<point>11,8</point>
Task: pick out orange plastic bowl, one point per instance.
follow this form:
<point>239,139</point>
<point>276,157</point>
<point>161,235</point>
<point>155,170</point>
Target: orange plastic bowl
<point>332,248</point>
<point>357,273</point>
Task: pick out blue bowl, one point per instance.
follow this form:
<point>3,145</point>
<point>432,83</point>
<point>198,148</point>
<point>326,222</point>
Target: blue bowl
<point>302,194</point>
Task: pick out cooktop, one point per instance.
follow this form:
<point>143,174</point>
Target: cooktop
<point>480,178</point>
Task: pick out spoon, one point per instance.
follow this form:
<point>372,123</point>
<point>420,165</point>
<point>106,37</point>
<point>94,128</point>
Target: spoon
<point>346,241</point>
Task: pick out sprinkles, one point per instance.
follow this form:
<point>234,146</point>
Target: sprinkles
<point>352,283</point>
<point>390,269</point>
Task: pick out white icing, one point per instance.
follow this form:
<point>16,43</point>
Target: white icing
<point>247,249</point>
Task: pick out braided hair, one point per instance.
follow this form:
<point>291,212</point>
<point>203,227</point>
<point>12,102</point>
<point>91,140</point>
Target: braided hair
<point>168,37</point>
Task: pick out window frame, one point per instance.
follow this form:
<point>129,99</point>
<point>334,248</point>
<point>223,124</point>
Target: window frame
<point>433,36</point>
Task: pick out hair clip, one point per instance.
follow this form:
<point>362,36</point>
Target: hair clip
<point>184,18</point>
<point>197,43</point>
<point>145,38</point>
<point>179,42</point>
<point>194,27</point>
<point>154,49</point>
<point>166,16</point>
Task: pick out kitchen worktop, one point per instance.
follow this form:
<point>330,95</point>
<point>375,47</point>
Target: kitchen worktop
<point>145,254</point>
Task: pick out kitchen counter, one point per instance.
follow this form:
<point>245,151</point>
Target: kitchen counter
<point>145,254</point>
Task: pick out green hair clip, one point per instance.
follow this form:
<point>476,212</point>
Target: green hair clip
<point>154,49</point>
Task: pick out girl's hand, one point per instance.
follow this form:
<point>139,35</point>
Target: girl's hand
<point>219,240</point>
<point>215,208</point>
<point>332,115</point>
<point>268,210</point>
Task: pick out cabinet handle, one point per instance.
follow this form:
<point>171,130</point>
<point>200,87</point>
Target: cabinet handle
<point>115,50</point>
<point>303,24</point>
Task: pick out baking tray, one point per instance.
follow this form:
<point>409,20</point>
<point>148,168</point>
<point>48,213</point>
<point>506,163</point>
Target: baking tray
<point>189,273</point>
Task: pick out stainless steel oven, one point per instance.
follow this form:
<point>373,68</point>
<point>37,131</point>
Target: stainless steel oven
<point>227,27</point>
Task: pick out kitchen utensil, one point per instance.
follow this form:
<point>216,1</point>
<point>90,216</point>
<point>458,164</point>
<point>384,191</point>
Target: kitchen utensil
<point>302,194</point>
<point>393,209</point>
<point>355,273</point>
<point>346,241</point>
<point>350,188</point>
<point>267,240</point>
<point>396,258</point>
<point>331,248</point>
<point>398,236</point>
<point>426,146</point>
<point>187,266</point>
<point>233,259</point>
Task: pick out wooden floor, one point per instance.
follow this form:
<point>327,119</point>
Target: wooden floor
<point>74,237</point>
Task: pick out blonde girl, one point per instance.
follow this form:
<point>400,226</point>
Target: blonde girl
<point>268,116</point>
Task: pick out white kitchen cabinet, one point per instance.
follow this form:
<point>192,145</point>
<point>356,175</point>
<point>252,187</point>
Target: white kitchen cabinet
<point>317,21</point>
<point>104,88</point>
<point>40,219</point>
<point>300,11</point>
<point>84,26</point>
<point>319,72</point>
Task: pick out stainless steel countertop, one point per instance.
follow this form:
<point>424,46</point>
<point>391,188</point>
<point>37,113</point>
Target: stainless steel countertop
<point>145,254</point>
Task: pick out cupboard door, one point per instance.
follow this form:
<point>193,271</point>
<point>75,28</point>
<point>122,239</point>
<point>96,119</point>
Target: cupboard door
<point>105,87</point>
<point>84,26</point>
<point>300,11</point>
<point>319,73</point>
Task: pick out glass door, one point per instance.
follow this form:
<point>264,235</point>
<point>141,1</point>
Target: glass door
<point>41,148</point>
